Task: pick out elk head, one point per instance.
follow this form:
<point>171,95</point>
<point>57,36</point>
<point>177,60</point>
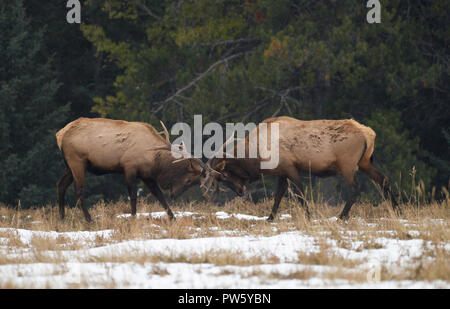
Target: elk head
<point>230,176</point>
<point>195,171</point>
<point>223,172</point>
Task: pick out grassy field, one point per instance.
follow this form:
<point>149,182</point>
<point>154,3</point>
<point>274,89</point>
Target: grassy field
<point>226,247</point>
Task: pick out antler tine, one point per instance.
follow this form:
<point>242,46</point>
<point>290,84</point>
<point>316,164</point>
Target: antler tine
<point>165,147</point>
<point>212,181</point>
<point>229,140</point>
<point>188,156</point>
<point>166,133</point>
<point>199,162</point>
<point>168,147</point>
<point>206,187</point>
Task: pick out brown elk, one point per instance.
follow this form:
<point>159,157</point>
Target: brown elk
<point>104,146</point>
<point>318,147</point>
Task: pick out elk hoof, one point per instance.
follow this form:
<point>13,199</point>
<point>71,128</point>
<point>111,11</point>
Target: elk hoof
<point>270,218</point>
<point>397,210</point>
<point>171,216</point>
<point>343,217</point>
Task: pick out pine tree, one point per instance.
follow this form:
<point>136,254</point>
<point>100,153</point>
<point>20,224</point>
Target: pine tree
<point>29,115</point>
<point>250,60</point>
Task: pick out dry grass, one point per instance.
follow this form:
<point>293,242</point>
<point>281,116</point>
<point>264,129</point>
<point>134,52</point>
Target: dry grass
<point>429,222</point>
<point>361,232</point>
<point>215,257</point>
<point>303,274</point>
<point>433,265</point>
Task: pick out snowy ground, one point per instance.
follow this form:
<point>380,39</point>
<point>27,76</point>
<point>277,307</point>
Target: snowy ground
<point>225,261</point>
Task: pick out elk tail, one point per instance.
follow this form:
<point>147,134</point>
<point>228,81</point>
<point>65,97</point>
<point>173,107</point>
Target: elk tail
<point>64,157</point>
<point>364,152</point>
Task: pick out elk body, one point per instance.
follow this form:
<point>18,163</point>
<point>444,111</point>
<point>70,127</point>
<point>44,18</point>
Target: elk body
<point>103,146</point>
<point>318,147</point>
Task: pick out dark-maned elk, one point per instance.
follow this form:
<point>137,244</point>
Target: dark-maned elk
<point>318,147</point>
<point>103,146</point>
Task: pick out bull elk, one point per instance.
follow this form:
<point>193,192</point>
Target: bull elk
<point>318,147</point>
<point>135,149</point>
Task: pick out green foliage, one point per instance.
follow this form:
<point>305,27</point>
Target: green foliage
<point>232,60</point>
<point>310,60</point>
<point>28,112</point>
<point>397,153</point>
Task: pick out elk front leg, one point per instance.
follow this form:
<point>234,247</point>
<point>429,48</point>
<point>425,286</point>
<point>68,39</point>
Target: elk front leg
<point>130,179</point>
<point>353,193</point>
<point>281,189</point>
<point>156,191</point>
<point>78,171</point>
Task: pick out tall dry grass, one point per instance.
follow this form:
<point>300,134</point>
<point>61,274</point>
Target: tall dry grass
<point>429,222</point>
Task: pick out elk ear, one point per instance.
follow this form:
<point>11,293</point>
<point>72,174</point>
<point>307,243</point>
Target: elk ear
<point>191,166</point>
<point>220,166</point>
<point>195,167</point>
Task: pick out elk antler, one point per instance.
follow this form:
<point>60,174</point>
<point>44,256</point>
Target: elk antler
<point>165,132</point>
<point>214,156</point>
<point>181,149</point>
<point>211,179</point>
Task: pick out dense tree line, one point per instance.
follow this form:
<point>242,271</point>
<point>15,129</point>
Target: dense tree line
<point>230,61</point>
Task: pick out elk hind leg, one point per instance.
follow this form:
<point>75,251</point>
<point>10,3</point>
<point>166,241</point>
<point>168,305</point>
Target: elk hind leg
<point>352,195</point>
<point>63,183</point>
<point>381,180</point>
<point>78,172</point>
<point>281,189</point>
